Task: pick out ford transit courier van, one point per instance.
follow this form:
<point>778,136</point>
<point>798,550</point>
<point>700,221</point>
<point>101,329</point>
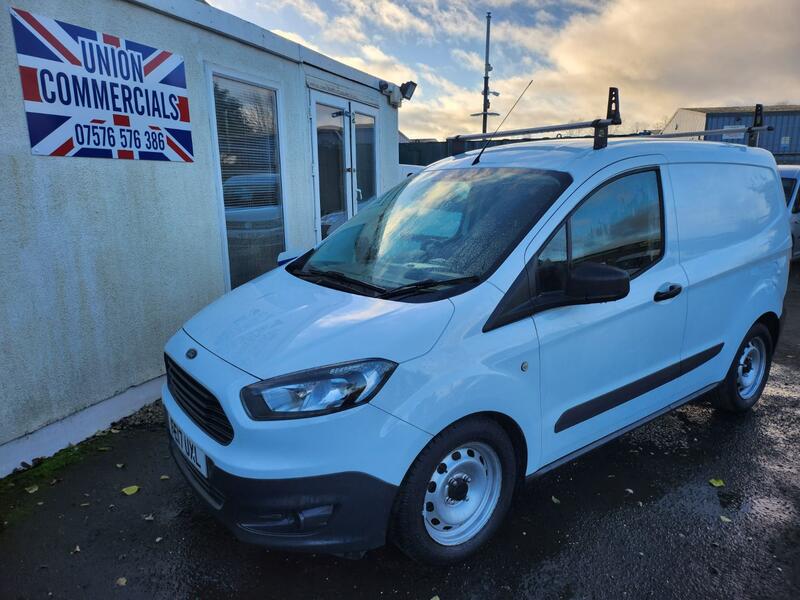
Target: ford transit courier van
<point>473,327</point>
<point>790,177</point>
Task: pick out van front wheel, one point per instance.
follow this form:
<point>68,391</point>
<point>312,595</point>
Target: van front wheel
<point>456,493</point>
<point>748,373</point>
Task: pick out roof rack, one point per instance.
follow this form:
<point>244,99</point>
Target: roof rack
<point>600,126</point>
<point>752,131</point>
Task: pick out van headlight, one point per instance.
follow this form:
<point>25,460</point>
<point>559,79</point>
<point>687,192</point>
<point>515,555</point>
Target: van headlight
<point>316,391</point>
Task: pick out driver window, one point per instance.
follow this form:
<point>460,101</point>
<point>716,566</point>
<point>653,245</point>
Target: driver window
<point>618,224</point>
<point>551,264</point>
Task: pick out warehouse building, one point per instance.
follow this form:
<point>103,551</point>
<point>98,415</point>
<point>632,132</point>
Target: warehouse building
<point>783,141</point>
<point>155,156</point>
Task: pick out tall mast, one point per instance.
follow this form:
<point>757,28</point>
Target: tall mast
<point>487,68</point>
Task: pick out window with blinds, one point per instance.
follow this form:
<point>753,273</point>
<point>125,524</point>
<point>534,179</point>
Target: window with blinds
<point>247,132</point>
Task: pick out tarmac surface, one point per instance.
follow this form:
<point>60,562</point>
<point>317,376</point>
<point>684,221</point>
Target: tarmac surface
<point>637,518</point>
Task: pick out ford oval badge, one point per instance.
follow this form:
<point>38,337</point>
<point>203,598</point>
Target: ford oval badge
<point>191,353</point>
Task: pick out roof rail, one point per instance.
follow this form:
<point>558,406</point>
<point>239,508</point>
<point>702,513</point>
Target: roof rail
<point>600,126</point>
<point>752,131</point>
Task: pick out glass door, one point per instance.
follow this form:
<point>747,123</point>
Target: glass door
<point>365,146</point>
<point>345,146</point>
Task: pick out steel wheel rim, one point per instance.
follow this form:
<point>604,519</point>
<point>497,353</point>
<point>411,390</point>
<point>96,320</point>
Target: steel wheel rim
<point>750,368</point>
<point>462,493</point>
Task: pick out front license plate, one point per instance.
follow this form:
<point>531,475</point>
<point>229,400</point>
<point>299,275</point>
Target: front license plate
<point>193,454</point>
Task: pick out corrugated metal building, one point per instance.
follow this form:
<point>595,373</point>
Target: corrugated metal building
<point>783,142</point>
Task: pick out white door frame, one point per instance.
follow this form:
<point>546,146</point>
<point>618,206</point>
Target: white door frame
<point>364,109</point>
<point>315,98</point>
<point>212,69</point>
<point>350,107</point>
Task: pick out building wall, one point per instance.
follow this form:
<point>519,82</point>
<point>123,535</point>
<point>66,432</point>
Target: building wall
<point>783,142</point>
<point>102,260</point>
<point>686,120</point>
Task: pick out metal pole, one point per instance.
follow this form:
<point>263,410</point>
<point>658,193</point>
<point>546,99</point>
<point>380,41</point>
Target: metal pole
<point>487,68</point>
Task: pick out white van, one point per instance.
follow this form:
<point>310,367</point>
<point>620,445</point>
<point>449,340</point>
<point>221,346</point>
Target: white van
<point>790,178</point>
<point>476,326</point>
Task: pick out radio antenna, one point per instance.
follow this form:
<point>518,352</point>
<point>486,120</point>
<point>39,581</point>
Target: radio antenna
<point>510,110</point>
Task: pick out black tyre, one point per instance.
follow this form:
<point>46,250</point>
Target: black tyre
<point>456,493</point>
<point>748,374</point>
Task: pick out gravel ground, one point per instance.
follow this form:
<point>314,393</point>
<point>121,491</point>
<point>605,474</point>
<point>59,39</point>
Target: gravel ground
<point>636,518</point>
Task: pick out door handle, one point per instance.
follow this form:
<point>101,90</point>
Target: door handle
<point>672,290</point>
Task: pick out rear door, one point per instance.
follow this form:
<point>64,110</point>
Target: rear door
<point>605,366</point>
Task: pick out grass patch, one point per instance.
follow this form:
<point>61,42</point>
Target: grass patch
<point>16,503</point>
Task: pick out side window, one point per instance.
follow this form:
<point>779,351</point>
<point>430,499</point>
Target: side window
<point>551,264</point>
<point>618,224</point>
<point>788,188</point>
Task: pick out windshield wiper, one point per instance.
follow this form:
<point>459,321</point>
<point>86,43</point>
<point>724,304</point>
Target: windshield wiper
<point>341,278</point>
<point>426,284</point>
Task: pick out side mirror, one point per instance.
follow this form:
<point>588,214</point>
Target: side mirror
<point>595,282</point>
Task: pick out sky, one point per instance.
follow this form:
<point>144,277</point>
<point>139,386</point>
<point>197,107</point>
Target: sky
<point>662,54</point>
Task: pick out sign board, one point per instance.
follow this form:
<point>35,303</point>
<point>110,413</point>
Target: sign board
<point>96,95</point>
<point>730,137</point>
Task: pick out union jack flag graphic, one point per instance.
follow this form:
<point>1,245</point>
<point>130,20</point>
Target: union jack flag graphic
<point>97,95</point>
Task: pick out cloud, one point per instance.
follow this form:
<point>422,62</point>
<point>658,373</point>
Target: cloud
<point>391,16</point>
<point>375,61</point>
<point>347,27</point>
<point>472,60</point>
<point>307,9</point>
<point>662,56</point>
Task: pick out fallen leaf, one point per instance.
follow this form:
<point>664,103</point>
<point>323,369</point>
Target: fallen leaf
<point>130,490</point>
<point>84,504</point>
<point>725,519</point>
<point>628,491</point>
<point>555,500</point>
<point>158,539</point>
<point>717,482</point>
<point>122,581</point>
<point>148,517</point>
<point>435,598</point>
<point>164,477</point>
<point>32,489</point>
<point>120,465</point>
<point>77,549</point>
<point>40,503</point>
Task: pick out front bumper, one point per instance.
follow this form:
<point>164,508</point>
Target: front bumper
<point>336,513</point>
<point>323,483</point>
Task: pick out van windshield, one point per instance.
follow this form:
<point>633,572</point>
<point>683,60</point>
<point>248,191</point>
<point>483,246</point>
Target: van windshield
<point>434,235</point>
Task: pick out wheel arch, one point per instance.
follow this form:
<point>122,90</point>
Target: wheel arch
<point>512,430</point>
<point>773,323</point>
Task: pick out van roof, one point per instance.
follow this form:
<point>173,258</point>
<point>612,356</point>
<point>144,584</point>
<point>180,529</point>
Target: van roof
<point>577,156</point>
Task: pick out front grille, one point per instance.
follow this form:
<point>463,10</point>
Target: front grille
<point>198,403</point>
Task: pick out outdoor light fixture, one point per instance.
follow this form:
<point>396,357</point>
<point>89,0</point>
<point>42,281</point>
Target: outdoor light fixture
<point>407,89</point>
